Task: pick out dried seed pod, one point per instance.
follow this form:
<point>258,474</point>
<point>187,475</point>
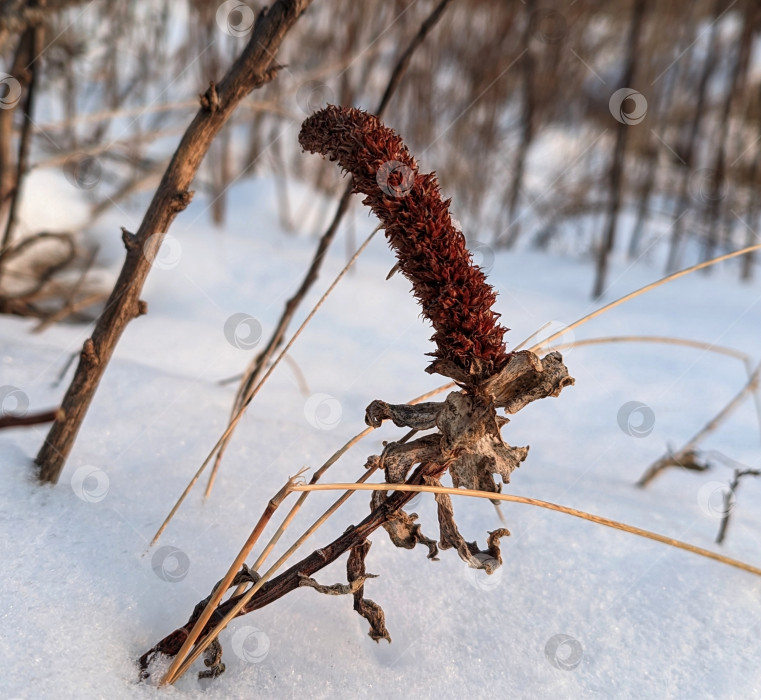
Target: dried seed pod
<point>432,253</point>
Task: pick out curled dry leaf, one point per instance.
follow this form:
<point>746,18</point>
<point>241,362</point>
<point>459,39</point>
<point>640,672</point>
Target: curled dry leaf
<point>469,442</point>
<point>402,529</point>
<point>469,438</point>
<point>370,610</point>
<point>421,416</point>
<point>489,559</point>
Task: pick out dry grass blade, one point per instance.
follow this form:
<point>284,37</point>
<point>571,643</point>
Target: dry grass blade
<point>532,336</point>
<point>537,348</point>
<point>643,290</point>
<point>220,590</point>
<point>541,504</point>
<point>236,418</point>
<point>207,640</point>
<point>315,478</point>
<point>284,353</point>
<point>664,339</point>
<point>233,613</point>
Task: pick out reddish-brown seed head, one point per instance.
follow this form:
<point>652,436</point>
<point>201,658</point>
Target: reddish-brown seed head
<point>432,253</point>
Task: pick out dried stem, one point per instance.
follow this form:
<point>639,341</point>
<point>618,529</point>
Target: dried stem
<point>272,590</point>
<point>240,408</point>
<point>237,417</point>
<point>253,68</point>
<point>252,375</point>
<point>11,421</point>
<point>664,339</point>
<point>204,643</point>
<point>685,457</point>
<point>36,35</point>
<point>264,591</point>
<point>224,584</point>
<point>729,497</point>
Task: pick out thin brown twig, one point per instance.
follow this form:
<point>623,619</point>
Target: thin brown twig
<point>37,35</point>
<point>70,306</point>
<point>69,310</point>
<point>11,421</point>
<point>729,497</point>
<point>251,377</point>
<point>685,456</point>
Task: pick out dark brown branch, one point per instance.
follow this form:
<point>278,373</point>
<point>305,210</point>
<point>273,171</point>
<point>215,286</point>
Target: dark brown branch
<point>616,175</point>
<point>256,369</point>
<point>253,68</point>
<point>291,579</point>
<point>688,456</point>
<point>33,40</point>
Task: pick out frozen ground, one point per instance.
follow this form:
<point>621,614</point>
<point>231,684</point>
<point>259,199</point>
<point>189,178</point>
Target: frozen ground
<point>81,599</point>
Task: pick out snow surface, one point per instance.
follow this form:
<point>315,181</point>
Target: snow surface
<point>81,599</point>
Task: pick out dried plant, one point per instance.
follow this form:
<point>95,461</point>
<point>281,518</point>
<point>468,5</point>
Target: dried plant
<point>465,441</point>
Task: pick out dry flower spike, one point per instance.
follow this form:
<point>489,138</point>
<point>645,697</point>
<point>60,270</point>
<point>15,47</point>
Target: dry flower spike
<point>432,253</point>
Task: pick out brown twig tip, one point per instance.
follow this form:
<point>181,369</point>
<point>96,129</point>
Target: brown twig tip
<point>432,253</point>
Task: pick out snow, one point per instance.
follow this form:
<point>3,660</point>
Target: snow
<point>577,610</point>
